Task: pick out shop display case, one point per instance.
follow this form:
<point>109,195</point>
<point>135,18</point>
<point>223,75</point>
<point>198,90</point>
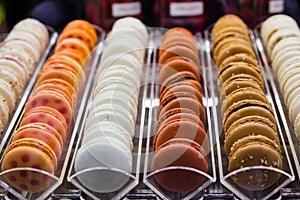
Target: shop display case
<point>141,183</point>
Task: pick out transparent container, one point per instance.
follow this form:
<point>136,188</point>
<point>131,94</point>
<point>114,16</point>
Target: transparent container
<point>133,177</point>
<point>14,116</point>
<point>52,181</point>
<point>278,99</point>
<point>150,124</point>
<point>287,173</point>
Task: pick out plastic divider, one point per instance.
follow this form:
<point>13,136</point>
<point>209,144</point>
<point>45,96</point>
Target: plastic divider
<point>153,104</point>
<point>287,173</point>
<point>133,177</point>
<point>53,180</point>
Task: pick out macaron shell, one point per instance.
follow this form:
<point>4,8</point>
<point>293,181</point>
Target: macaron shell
<point>251,125</point>
<point>116,156</point>
<point>181,51</point>
<point>184,102</point>
<point>247,108</point>
<point>43,133</point>
<point>243,94</point>
<point>53,100</point>
<point>29,153</point>
<point>255,151</point>
<point>184,154</point>
<point>181,129</point>
<point>46,115</point>
<point>176,64</point>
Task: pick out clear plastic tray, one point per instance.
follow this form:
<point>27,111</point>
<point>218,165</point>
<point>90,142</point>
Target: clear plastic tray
<point>274,85</point>
<point>14,116</point>
<point>62,164</point>
<point>133,177</point>
<point>287,174</point>
<point>151,104</point>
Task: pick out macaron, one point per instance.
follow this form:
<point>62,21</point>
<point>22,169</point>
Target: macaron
<point>180,153</point>
<point>228,20</point>
<point>182,87</point>
<point>107,128</point>
<point>29,152</point>
<point>181,100</point>
<point>255,150</point>
<point>44,114</point>
<point>250,125</point>
<point>177,64</point>
<point>100,155</point>
<point>239,81</point>
<point>52,99</point>
<point>242,94</point>
<point>181,128</point>
<point>183,76</point>
<point>178,114</point>
<point>297,127</point>
<point>232,50</point>
<point>181,51</point>
<point>245,108</point>
<point>240,57</point>
<point>240,68</point>
<point>43,132</point>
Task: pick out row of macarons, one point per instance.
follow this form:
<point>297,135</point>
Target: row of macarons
<point>249,123</point>
<point>281,38</point>
<point>39,139</point>
<point>180,138</point>
<point>19,53</point>
<point>109,129</point>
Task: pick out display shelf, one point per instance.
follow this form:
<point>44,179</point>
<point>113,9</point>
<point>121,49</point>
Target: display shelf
<point>56,179</point>
<point>287,173</point>
<point>153,100</point>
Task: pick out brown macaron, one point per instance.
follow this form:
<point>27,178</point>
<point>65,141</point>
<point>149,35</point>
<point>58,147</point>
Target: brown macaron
<point>182,87</point>
<point>239,81</point>
<point>184,76</point>
<point>255,150</point>
<point>179,116</point>
<point>180,153</point>
<point>240,57</point>
<point>250,125</point>
<point>247,108</point>
<point>181,100</point>
<point>243,94</point>
<point>232,50</point>
<point>181,51</point>
<point>240,68</point>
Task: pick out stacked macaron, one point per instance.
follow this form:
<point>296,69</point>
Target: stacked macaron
<point>180,139</point>
<point>39,140</point>
<point>281,38</point>
<point>106,148</point>
<point>19,53</point>
<point>249,124</point>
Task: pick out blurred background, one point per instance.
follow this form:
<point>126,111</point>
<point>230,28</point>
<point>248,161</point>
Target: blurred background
<point>196,15</point>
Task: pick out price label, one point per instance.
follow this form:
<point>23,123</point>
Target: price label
<point>276,6</point>
<point>181,9</point>
<point>126,9</point>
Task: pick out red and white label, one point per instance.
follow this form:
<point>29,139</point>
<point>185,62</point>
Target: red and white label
<point>181,9</point>
<point>126,9</point>
<point>276,6</point>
